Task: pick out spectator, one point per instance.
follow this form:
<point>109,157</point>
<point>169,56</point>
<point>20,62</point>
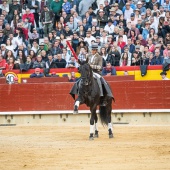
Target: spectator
<point>60,62</point>
<point>33,5</point>
<point>72,63</point>
<point>29,16</point>
<point>39,63</point>
<point>128,11</point>
<point>82,54</point>
<point>158,59</point>
<point>2,63</point>
<point>124,61</point>
<point>67,7</point>
<point>10,64</point>
<point>109,70</point>
<point>84,6</point>
<point>47,19</point>
<point>50,63</point>
<point>37,74</point>
<point>72,77</point>
<point>56,8</point>
<point>163,75</point>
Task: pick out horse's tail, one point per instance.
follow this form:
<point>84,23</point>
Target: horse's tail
<point>103,115</point>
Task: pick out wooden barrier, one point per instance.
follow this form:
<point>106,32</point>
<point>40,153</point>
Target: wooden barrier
<point>44,80</point>
<point>55,96</point>
<point>3,80</point>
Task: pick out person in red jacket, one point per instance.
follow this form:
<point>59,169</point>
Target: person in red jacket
<point>2,63</point>
<point>121,43</point>
<point>29,16</point>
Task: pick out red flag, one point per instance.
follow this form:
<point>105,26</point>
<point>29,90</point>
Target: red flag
<point>72,50</point>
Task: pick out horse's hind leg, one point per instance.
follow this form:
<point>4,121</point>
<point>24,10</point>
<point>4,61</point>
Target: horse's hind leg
<point>96,135</point>
<point>110,127</point>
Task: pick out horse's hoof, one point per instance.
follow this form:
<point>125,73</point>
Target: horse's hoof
<point>91,138</point>
<point>96,135</point>
<point>111,136</point>
<point>75,112</point>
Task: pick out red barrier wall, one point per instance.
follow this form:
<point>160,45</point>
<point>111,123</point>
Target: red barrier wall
<point>54,96</point>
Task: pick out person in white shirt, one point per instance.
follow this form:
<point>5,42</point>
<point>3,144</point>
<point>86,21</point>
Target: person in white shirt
<point>89,38</point>
<point>109,27</point>
<point>128,11</point>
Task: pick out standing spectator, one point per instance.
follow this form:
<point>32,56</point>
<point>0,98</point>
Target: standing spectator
<point>29,16</point>
<point>37,74</point>
<point>84,6</point>
<point>56,7</point>
<point>14,6</point>
<point>128,11</point>
<point>33,5</point>
<point>67,6</point>
<point>47,19</point>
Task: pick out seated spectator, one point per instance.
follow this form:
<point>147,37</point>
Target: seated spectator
<point>109,70</point>
<point>124,61</point>
<point>34,36</point>
<point>158,59</point>
<point>72,77</point>
<point>2,63</point>
<point>136,60</point>
<point>60,62</point>
<point>163,75</point>
<point>39,63</point>
<point>10,64</point>
<point>15,80</point>
<point>82,54</point>
<point>50,63</point>
<point>72,63</point>
<point>37,73</point>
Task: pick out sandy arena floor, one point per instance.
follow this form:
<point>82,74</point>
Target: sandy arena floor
<point>68,148</point>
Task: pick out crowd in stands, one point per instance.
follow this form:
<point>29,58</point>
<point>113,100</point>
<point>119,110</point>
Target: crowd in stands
<point>33,33</point>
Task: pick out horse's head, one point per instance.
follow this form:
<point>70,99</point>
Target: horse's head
<point>85,71</point>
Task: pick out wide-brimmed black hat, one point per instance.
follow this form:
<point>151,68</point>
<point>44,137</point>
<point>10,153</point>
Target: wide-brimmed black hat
<point>163,73</point>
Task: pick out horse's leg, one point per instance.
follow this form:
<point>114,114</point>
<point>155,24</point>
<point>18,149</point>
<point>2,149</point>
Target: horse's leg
<point>76,105</point>
<point>110,127</point>
<point>96,135</point>
<point>93,113</point>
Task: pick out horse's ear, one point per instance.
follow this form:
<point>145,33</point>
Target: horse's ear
<point>87,60</point>
<point>79,61</point>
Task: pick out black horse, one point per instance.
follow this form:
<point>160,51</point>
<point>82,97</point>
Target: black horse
<point>88,92</point>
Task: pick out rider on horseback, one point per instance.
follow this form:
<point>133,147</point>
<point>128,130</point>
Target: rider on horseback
<point>95,61</point>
